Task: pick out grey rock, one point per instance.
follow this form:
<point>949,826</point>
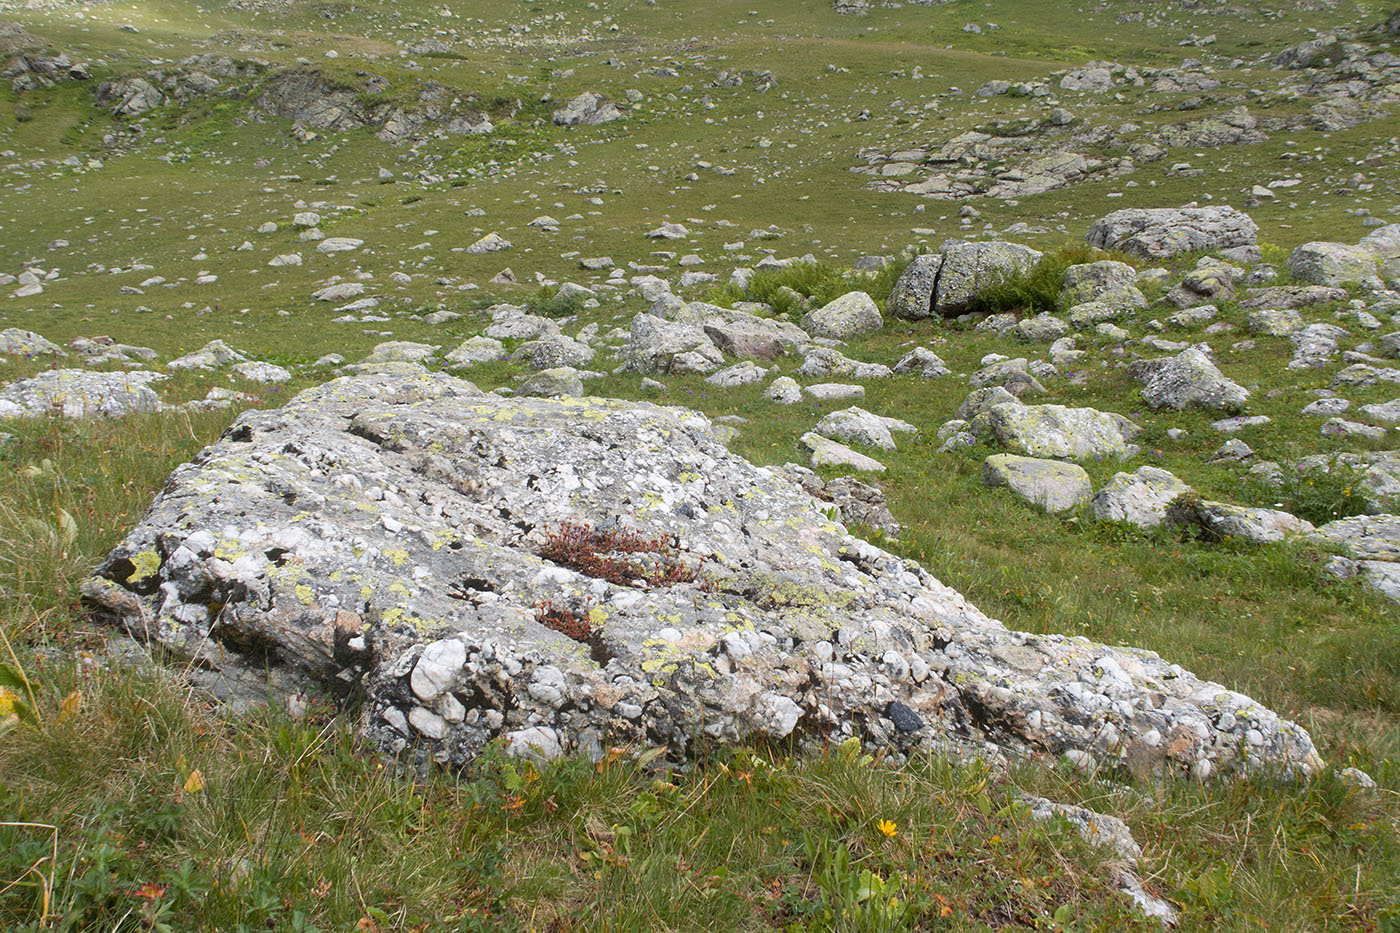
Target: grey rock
<point>1292,296</point>
<point>553,382</point>
<point>1050,484</point>
<point>552,352</point>
<point>740,374</point>
<point>968,268</point>
<point>1165,232</point>
<point>372,517</point>
<point>1222,520</point>
<point>1188,379</point>
<point>1274,322</point>
<point>1043,328</point>
<point>473,351</point>
<point>1054,431</point>
<point>828,453</point>
<point>856,425</point>
<point>657,346</point>
<point>1340,427</point>
<point>825,363</point>
<point>212,355</point>
<point>27,344</point>
<point>587,109</point>
<point>1332,264</point>
<point>912,295</point>
<point>1140,498</point>
<point>922,361</point>
<point>784,390</point>
<point>1365,537</point>
<point>78,393</point>
<point>850,315</point>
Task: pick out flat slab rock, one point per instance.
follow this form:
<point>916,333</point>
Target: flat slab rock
<point>379,536</point>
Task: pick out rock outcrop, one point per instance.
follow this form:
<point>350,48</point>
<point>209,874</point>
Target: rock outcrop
<point>572,574</point>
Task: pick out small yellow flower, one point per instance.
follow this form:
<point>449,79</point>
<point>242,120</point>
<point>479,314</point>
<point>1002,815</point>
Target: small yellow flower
<point>887,827</point>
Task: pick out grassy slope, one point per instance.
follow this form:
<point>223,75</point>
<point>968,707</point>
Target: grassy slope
<point>296,829</point>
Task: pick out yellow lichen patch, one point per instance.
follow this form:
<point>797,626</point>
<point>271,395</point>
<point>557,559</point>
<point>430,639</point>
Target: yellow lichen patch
<point>398,557</point>
<point>305,594</point>
<point>597,616</point>
<point>145,565</point>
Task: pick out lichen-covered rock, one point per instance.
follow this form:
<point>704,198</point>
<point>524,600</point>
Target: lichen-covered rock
<point>1188,379</point>
<point>1043,328</point>
<point>1332,264</point>
<point>1054,431</point>
<point>845,317</point>
<point>27,344</point>
<point>1365,537</point>
<point>655,345</point>
<point>969,268</point>
<point>912,295</point>
<point>556,381</point>
<point>552,352</point>
<point>825,452</point>
<point>1050,484</point>
<point>1140,498</point>
<point>825,363</point>
<point>78,393</point>
<point>475,350</point>
<point>923,362</point>
<point>1225,520</point>
<point>382,538</point>
<point>212,355</point>
<point>1161,233</point>
<point>1273,322</point>
<point>859,426</point>
<point>1090,281</point>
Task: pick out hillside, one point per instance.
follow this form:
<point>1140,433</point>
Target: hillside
<point>628,465</point>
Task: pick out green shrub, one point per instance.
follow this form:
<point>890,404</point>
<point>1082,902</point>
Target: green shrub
<point>1038,289</point>
<point>784,290</point>
<point>549,303</point>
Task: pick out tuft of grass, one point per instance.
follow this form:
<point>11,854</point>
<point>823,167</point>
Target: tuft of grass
<point>548,303</point>
<point>804,285</point>
<point>1319,496</point>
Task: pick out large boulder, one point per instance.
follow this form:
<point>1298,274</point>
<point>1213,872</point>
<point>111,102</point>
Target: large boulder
<point>1161,233</point>
<point>1050,484</point>
<point>27,344</point>
<point>1188,379</point>
<point>970,268</point>
<point>78,393</point>
<point>567,575</point>
<point>1092,281</point>
<point>655,345</point>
